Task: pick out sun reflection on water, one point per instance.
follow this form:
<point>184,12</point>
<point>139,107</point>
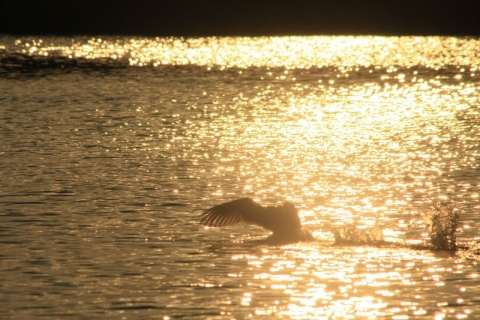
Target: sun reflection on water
<point>327,139</point>
<point>348,53</point>
<point>311,281</point>
<point>367,143</point>
<point>353,130</point>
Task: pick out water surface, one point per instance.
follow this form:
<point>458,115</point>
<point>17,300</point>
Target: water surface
<point>111,147</point>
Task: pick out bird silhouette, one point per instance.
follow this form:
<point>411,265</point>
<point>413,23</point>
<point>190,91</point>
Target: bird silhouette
<point>283,220</point>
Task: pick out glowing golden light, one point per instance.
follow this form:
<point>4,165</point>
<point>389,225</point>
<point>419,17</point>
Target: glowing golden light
<point>348,52</point>
<point>353,137</point>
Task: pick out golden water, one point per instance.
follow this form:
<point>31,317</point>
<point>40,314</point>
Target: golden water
<point>110,146</point>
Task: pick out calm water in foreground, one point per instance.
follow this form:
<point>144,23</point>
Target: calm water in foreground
<point>110,148</point>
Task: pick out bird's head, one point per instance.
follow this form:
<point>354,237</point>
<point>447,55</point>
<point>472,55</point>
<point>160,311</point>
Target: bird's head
<point>289,206</point>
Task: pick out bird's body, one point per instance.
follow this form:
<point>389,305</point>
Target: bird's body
<point>283,221</point>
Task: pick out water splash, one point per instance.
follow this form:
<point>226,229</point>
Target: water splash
<point>351,235</point>
<point>441,223</point>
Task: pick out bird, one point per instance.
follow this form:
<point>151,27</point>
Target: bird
<point>282,221</point>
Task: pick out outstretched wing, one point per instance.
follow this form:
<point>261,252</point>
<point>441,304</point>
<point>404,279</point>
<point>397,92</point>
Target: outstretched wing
<point>234,212</point>
<point>276,219</point>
